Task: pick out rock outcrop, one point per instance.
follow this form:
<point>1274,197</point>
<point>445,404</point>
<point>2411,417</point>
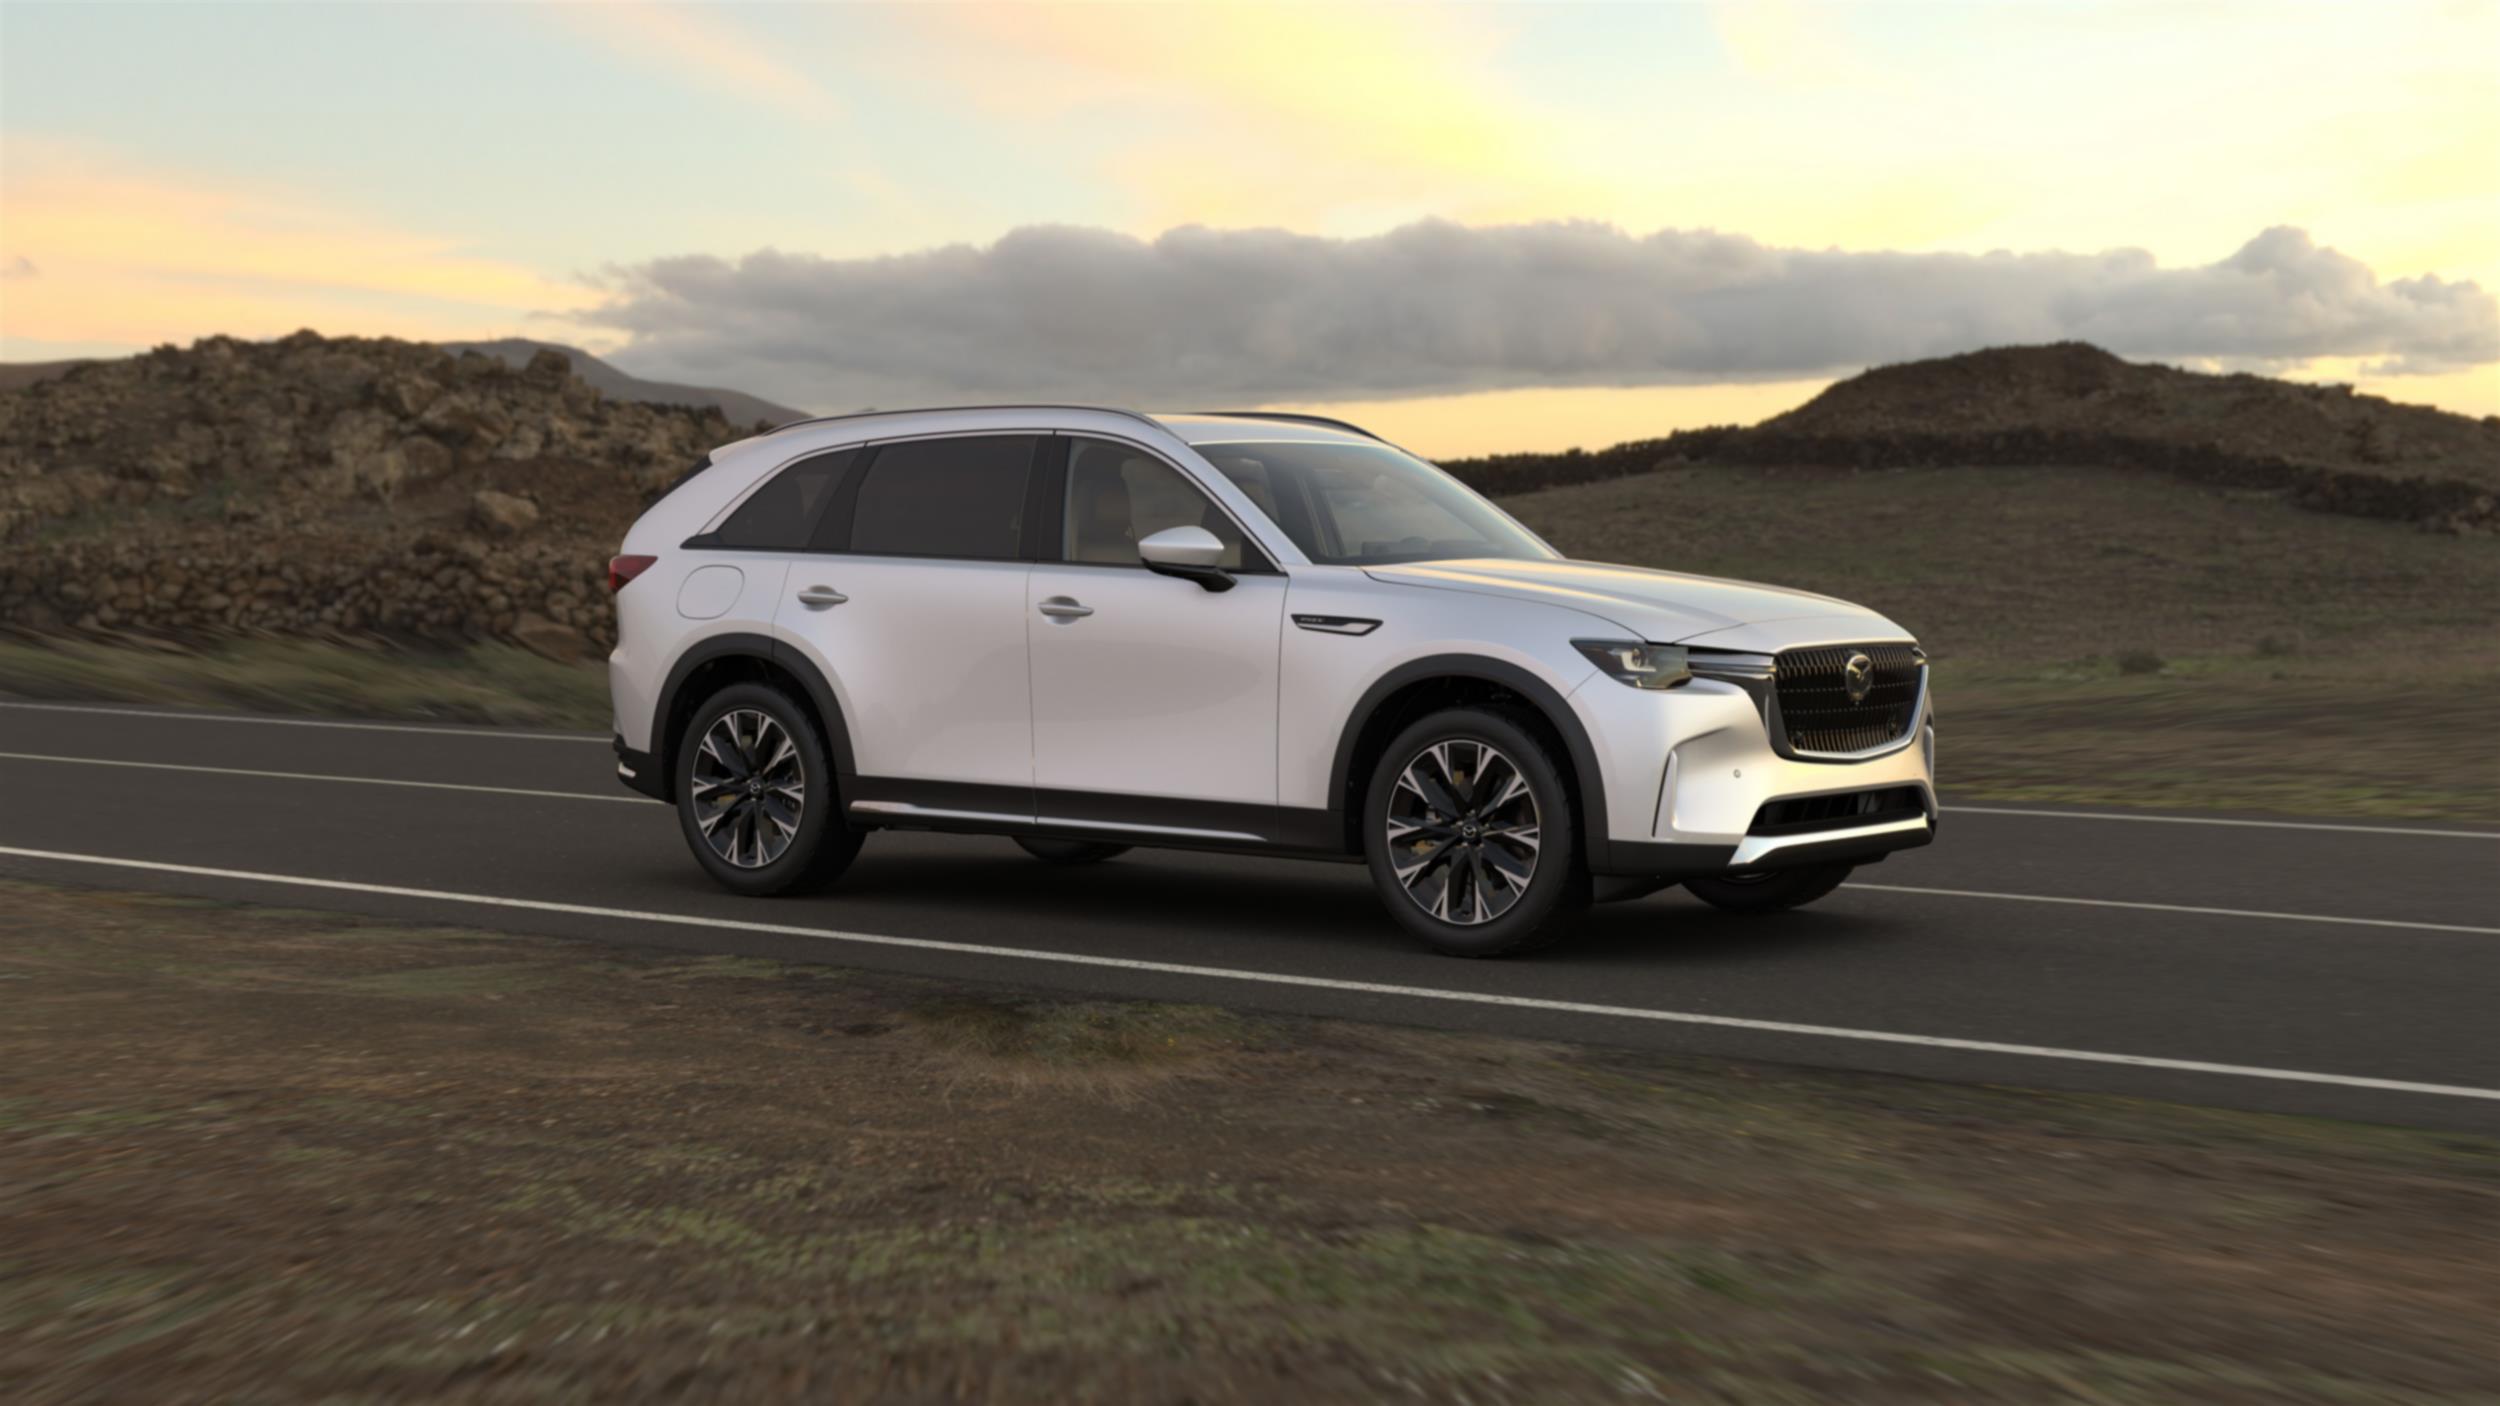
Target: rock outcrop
<point>313,485</point>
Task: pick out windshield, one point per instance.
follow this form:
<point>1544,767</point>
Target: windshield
<point>1369,504</point>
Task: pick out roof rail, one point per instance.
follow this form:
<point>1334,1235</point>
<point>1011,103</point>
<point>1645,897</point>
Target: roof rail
<point>934,409</point>
<point>1294,418</point>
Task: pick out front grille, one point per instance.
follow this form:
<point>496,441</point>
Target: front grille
<point>1815,712</point>
<point>1806,814</point>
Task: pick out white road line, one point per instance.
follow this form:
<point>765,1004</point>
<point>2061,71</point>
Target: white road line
<point>320,776</point>
<point>2210,820</point>
<point>1321,983</point>
<point>2176,908</point>
<point>492,734</point>
<point>1871,888</point>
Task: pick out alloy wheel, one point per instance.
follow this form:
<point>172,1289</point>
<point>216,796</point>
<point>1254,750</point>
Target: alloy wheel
<point>750,788</point>
<point>1463,832</point>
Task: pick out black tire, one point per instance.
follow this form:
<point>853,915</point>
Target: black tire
<point>1770,891</point>
<point>816,850</point>
<point>1480,877</point>
<point>1070,851</point>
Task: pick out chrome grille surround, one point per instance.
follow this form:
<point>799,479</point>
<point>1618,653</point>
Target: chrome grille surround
<point>1811,715</point>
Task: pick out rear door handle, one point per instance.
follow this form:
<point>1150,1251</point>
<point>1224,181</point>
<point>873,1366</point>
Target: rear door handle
<point>820,597</point>
<point>1062,608</point>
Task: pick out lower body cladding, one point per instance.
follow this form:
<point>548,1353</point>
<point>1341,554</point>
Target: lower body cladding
<point>1720,798</point>
<point>1160,822</point>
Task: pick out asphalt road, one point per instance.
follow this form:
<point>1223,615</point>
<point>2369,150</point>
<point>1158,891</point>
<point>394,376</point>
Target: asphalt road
<point>2341,969</point>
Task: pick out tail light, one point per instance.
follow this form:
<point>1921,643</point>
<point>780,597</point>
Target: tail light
<point>624,569</point>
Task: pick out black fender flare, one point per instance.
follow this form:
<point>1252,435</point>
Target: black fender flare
<point>773,652</point>
<point>1539,694</point>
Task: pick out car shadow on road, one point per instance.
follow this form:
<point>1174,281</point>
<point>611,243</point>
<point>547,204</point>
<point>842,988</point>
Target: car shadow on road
<point>980,893</point>
<point>1673,927</point>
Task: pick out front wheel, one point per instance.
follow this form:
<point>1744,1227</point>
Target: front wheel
<point>755,794</point>
<point>1468,831</point>
<point>1769,891</point>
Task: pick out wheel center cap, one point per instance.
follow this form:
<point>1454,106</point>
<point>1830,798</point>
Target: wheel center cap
<point>755,786</point>
<point>1469,829</point>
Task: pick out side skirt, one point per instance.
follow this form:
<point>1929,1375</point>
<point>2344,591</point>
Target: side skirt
<point>1164,822</point>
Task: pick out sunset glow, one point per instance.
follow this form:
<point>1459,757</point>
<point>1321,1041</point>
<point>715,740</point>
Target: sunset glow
<point>174,171</point>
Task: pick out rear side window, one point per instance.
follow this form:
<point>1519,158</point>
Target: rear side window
<point>945,498</point>
<point>781,515</point>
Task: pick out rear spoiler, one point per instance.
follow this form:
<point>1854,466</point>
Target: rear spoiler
<point>680,481</point>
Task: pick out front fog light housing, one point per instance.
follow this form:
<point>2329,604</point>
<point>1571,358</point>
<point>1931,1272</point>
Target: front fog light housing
<point>1640,665</point>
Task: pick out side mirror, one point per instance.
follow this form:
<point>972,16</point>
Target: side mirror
<point>1190,553</point>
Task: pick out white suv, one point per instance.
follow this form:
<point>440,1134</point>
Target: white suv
<point>1090,629</point>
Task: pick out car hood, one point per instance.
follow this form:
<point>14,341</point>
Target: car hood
<point>1664,607</point>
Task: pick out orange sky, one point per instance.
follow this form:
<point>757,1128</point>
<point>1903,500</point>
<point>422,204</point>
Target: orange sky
<point>439,172</point>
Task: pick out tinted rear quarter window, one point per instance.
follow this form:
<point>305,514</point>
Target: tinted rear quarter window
<point>779,516</point>
<point>945,498</point>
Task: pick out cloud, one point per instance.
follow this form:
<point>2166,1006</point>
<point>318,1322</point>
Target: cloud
<point>20,267</point>
<point>1201,315</point>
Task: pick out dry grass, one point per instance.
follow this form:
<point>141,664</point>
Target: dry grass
<point>2001,569</point>
<point>2120,638</point>
<point>280,1156</point>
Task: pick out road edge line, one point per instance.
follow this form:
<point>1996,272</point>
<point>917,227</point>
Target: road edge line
<point>584,910</point>
<point>487,731</point>
<point>324,776</point>
<point>2337,827</point>
<point>2189,908</point>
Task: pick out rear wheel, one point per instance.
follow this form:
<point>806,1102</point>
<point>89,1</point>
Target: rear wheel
<point>1770,890</point>
<point>1070,851</point>
<point>1468,831</point>
<point>755,794</point>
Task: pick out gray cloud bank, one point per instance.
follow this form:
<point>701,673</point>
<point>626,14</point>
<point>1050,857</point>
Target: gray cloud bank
<point>1201,316</point>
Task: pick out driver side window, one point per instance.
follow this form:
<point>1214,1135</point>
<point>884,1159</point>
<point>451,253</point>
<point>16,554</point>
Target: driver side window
<point>1118,496</point>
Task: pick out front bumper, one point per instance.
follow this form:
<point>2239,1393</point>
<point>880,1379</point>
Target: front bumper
<point>1676,860</point>
<point>1689,772</point>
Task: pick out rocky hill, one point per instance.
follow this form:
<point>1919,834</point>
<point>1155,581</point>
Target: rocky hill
<point>2075,405</point>
<point>342,487</point>
<point>741,408</point>
<point>313,485</point>
<point>517,352</point>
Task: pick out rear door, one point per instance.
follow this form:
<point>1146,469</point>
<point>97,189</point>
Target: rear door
<point>912,604</point>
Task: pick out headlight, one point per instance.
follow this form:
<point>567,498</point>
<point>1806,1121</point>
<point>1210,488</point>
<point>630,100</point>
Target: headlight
<point>1640,665</point>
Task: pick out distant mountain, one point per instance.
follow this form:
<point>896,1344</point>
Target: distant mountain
<point>741,408</point>
<point>2075,395</point>
<point>17,375</point>
<point>2071,404</point>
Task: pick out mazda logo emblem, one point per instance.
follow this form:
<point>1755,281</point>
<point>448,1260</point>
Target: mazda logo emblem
<point>1858,676</point>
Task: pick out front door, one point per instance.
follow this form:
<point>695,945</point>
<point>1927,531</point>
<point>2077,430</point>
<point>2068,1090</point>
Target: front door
<point>1154,699</point>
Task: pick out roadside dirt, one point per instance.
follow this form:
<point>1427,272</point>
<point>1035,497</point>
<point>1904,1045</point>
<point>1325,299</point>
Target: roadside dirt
<point>287,1156</point>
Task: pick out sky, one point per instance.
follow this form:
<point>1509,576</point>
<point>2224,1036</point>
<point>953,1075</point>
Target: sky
<point>1475,228</point>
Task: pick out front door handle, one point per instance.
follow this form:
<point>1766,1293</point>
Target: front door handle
<point>821,597</point>
<point>1062,608</point>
